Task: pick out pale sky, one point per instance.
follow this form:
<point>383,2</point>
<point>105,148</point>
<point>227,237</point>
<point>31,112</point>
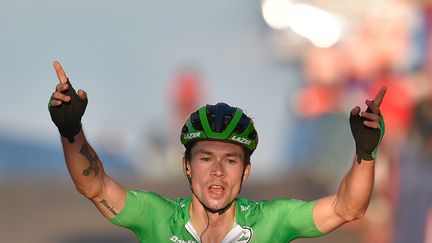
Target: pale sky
<point>124,54</point>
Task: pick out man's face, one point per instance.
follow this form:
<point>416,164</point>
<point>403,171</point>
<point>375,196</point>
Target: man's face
<point>216,169</point>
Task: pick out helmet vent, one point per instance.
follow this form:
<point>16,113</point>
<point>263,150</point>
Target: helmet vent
<point>253,135</point>
<point>196,122</point>
<point>185,129</point>
<point>242,124</point>
<point>220,116</point>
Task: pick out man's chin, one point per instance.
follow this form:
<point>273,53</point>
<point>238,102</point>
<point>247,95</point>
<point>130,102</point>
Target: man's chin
<point>217,206</point>
<point>217,210</point>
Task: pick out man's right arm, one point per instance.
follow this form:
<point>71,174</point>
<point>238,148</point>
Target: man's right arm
<point>66,109</point>
<point>89,177</point>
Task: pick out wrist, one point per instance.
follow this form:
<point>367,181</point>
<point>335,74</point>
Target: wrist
<point>362,155</point>
<point>70,132</point>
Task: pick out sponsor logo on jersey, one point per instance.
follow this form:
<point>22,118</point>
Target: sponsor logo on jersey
<point>192,135</point>
<point>247,234</point>
<point>241,140</point>
<point>244,208</point>
<point>175,238</point>
<point>297,200</point>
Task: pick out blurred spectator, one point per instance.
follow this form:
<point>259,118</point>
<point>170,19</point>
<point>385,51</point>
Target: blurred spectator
<point>374,54</point>
<point>319,116</point>
<point>185,94</point>
<point>415,201</point>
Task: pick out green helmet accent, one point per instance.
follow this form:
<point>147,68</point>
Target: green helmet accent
<point>220,122</point>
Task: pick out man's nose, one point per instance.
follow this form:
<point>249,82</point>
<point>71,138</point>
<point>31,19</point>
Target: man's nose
<point>218,168</point>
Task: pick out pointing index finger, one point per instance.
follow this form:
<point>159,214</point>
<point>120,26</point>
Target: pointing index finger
<point>61,75</point>
<point>380,96</point>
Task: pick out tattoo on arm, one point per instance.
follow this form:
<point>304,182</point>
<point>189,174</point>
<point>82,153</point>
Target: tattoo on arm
<point>92,158</point>
<point>111,209</point>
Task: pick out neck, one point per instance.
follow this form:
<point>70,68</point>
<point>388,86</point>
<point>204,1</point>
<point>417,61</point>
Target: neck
<point>201,218</point>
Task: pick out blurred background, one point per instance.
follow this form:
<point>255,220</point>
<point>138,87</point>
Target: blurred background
<point>297,67</point>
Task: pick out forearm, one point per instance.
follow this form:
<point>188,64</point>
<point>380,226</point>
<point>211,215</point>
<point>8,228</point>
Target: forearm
<point>84,166</point>
<point>66,109</point>
<point>353,196</point>
<point>355,190</point>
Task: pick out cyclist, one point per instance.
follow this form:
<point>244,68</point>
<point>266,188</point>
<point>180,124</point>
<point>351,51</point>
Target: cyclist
<point>219,140</point>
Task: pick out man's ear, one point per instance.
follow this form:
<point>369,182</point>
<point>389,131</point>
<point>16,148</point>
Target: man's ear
<point>246,172</point>
<point>187,171</point>
<point>186,167</point>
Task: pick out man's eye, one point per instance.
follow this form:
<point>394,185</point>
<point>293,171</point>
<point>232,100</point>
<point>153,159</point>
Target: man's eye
<point>231,161</point>
<point>205,159</point>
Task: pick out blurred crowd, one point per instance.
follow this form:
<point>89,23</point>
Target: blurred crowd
<point>391,48</point>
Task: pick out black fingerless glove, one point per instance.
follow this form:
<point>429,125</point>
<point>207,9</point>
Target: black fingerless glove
<point>67,116</point>
<point>366,138</point>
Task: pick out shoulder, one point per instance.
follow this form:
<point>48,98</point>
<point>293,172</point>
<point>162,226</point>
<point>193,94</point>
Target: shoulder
<point>271,204</point>
<point>285,207</point>
<point>293,218</point>
<point>142,194</point>
<point>246,206</point>
<point>290,203</point>
<point>145,204</point>
<point>152,199</point>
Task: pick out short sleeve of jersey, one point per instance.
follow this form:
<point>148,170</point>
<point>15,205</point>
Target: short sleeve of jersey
<point>294,218</point>
<point>143,212</point>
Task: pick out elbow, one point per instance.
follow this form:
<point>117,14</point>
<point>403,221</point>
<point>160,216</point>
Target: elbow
<point>351,214</point>
<point>89,192</point>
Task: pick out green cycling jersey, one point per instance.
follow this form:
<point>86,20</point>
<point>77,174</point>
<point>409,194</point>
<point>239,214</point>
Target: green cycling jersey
<point>157,219</point>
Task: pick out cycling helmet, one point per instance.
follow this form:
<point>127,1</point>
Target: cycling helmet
<point>220,122</point>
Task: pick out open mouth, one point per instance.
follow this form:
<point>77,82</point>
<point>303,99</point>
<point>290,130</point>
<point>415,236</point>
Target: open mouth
<point>216,190</point>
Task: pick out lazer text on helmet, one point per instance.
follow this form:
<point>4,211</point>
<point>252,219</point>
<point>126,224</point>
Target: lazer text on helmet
<point>192,135</point>
<point>241,140</point>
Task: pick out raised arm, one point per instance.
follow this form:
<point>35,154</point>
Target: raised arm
<point>353,196</point>
<point>66,109</point>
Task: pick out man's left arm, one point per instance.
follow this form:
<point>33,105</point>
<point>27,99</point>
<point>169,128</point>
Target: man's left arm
<point>353,196</point>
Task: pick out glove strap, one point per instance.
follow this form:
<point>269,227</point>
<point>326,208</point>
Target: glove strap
<point>70,132</point>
